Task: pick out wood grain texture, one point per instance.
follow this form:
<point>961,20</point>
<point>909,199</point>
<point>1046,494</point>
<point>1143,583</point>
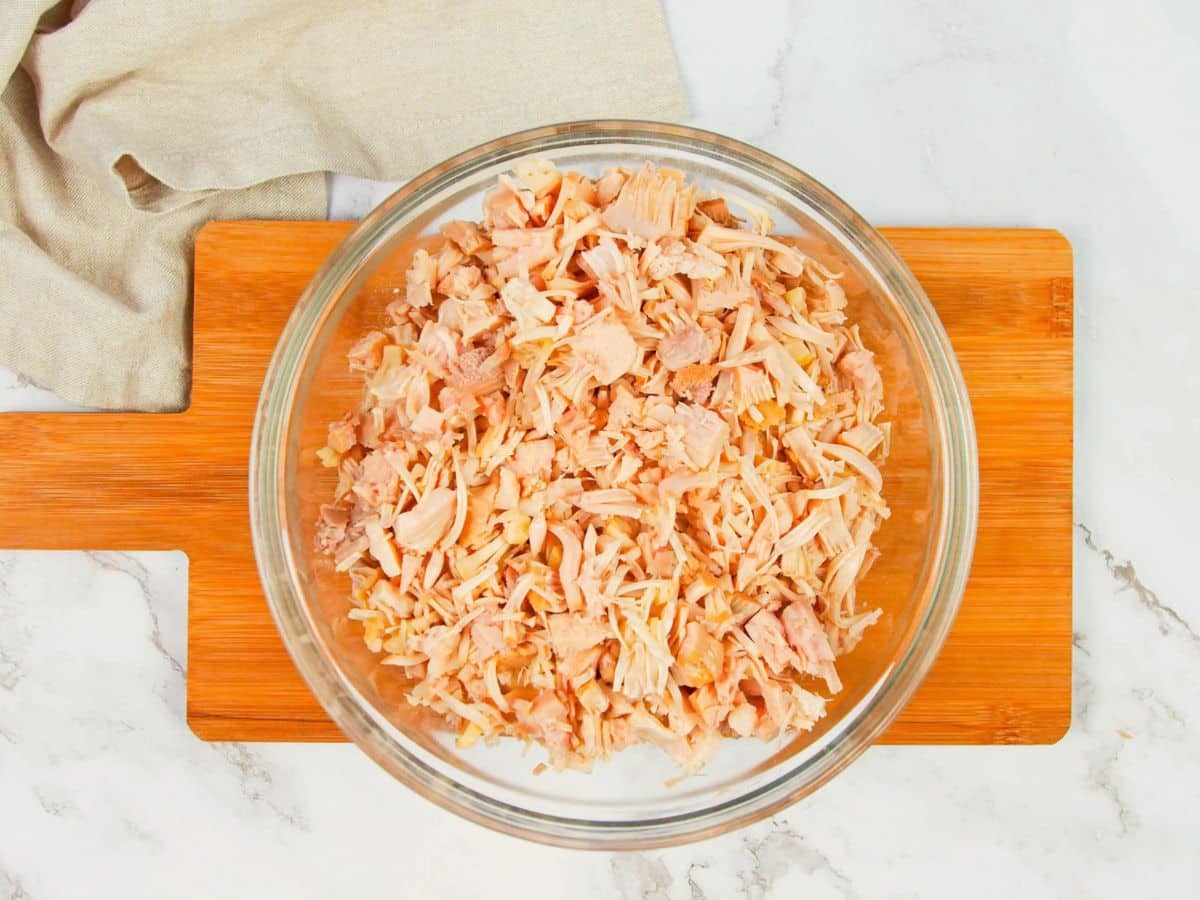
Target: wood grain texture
<point>144,481</point>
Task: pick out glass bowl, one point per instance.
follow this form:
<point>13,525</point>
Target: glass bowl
<point>635,799</point>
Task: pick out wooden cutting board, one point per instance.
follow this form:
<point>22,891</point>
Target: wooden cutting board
<point>138,481</point>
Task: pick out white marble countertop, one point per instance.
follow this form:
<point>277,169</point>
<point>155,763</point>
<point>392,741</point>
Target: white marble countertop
<point>1079,116</point>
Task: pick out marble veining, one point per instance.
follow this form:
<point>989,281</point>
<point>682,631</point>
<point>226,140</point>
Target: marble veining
<point>1169,620</point>
<point>1075,115</point>
<point>765,857</point>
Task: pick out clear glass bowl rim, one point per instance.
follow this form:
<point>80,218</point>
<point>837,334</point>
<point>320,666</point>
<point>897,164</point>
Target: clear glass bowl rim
<point>277,568</point>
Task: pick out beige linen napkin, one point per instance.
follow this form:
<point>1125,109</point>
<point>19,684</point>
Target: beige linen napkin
<point>132,122</point>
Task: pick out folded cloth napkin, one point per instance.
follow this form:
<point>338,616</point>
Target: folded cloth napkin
<point>127,124</point>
